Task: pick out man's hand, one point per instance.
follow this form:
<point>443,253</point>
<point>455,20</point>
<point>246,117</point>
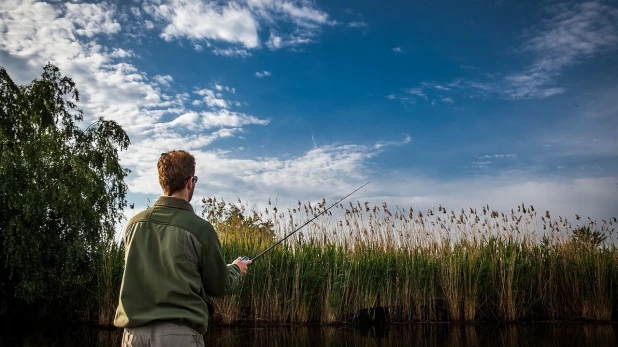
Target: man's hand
<point>242,265</point>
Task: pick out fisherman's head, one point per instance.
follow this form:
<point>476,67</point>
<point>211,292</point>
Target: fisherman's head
<point>177,173</point>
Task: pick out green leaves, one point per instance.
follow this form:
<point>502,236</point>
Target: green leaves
<point>62,187</point>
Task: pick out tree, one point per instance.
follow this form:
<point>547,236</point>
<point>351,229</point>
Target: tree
<point>231,222</point>
<point>62,188</point>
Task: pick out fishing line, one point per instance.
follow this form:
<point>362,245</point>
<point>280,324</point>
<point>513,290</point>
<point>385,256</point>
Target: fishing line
<point>290,234</point>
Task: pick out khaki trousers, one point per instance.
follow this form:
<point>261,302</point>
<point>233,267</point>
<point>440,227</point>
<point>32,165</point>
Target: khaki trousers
<point>160,334</point>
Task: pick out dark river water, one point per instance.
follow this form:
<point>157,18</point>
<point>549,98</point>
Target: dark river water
<point>558,334</point>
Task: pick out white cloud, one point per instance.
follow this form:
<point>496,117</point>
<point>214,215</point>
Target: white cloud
<point>232,52</point>
<point>514,86</point>
<point>277,41</point>
<point>225,118</point>
<point>576,31</point>
<point>274,42</point>
<point>481,163</point>
<point>200,122</point>
<point>206,21</point>
<point>382,144</point>
<point>340,166</point>
<point>262,74</point>
<point>90,19</point>
<point>211,99</point>
<point>136,12</point>
<point>121,53</point>
<point>239,23</point>
<point>405,100</point>
<point>439,87</point>
<point>187,120</point>
<point>397,50</point>
<point>500,155</point>
<point>163,80</point>
<point>357,24</point>
<point>416,92</point>
<point>65,35</point>
<point>301,13</point>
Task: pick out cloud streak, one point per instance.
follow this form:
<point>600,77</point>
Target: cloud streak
<point>572,32</point>
<point>357,24</point>
<point>262,74</point>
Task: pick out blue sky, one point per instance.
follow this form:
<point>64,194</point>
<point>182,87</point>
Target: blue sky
<point>453,103</point>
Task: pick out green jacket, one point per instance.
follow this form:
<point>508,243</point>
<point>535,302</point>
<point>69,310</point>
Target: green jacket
<point>173,264</point>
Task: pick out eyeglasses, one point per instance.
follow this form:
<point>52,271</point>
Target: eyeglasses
<point>194,179</point>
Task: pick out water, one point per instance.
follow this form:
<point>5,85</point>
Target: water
<point>558,334</point>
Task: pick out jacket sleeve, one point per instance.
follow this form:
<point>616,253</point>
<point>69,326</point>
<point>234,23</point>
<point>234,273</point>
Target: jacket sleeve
<point>218,278</point>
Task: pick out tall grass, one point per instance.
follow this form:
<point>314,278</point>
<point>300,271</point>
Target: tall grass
<point>421,265</point>
<point>109,266</point>
<point>430,265</point>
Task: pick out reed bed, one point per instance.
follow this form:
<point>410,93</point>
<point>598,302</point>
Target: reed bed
<point>430,265</point>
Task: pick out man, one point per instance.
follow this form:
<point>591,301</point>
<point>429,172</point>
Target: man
<point>173,264</point>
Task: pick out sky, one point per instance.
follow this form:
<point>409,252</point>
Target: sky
<point>458,103</point>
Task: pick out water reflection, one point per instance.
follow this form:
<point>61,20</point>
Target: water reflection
<point>394,335</point>
<point>421,335</point>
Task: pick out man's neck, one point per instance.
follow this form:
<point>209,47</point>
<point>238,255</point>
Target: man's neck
<point>181,195</point>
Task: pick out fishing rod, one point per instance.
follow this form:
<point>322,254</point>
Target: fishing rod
<point>290,234</point>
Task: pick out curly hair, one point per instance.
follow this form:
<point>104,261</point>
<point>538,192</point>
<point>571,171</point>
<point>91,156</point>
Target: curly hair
<point>175,168</point>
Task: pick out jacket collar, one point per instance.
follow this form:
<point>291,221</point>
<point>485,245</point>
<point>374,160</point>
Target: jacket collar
<point>173,202</point>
